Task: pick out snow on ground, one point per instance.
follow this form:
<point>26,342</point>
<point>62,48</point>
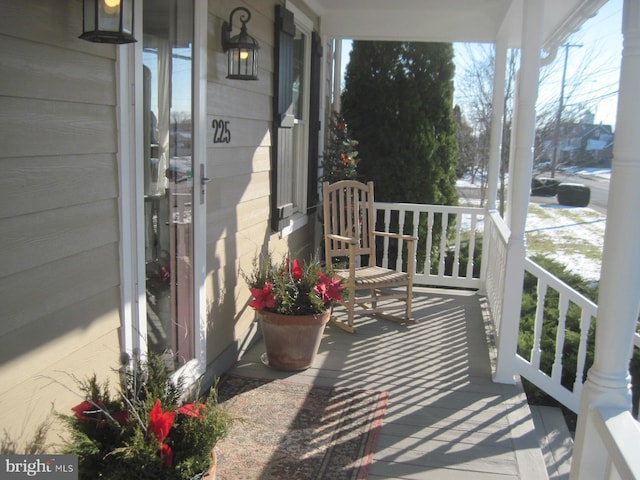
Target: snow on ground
<point>576,233</point>
<point>573,236</point>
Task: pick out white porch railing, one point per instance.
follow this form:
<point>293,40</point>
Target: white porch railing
<point>449,260</point>
<point>441,260</point>
<point>494,265</point>
<point>618,433</point>
<point>568,298</point>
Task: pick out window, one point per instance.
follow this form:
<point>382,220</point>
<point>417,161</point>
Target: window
<point>290,155</point>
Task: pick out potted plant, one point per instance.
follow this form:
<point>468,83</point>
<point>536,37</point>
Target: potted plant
<point>146,429</point>
<point>294,302</point>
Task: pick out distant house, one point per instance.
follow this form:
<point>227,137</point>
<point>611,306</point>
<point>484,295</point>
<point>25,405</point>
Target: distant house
<point>582,144</point>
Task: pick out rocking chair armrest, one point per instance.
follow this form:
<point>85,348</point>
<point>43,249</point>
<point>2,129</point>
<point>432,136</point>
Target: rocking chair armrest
<point>342,238</point>
<point>408,238</point>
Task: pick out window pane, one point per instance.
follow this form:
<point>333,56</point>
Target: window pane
<point>168,178</point>
<point>298,73</point>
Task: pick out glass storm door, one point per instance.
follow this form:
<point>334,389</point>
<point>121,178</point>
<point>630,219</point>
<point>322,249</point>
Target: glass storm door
<point>168,177</point>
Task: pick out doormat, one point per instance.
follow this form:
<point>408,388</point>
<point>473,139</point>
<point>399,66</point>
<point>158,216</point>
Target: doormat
<point>292,431</point>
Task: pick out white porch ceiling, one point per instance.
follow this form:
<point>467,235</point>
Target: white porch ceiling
<point>447,20</point>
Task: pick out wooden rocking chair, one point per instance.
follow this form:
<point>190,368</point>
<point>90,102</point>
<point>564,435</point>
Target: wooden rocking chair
<point>349,225</point>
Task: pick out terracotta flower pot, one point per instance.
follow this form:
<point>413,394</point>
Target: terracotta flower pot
<point>292,341</point>
<point>211,473</point>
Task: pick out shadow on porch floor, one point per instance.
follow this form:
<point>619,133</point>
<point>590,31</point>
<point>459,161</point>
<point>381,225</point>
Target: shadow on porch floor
<point>445,419</point>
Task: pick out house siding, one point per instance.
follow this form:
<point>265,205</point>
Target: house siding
<point>238,197</point>
<point>59,251</point>
<point>60,280</point>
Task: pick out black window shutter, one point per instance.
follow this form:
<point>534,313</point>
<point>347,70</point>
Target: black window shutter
<point>314,121</point>
<point>285,31</point>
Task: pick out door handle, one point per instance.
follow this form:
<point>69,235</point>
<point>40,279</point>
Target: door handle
<point>203,182</point>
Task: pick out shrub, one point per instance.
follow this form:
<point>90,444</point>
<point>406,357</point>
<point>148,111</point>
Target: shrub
<point>574,194</point>
<point>144,429</point>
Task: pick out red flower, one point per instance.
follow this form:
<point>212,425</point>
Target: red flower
<point>345,159</point>
<point>263,297</point>
<point>328,288</point>
<point>297,272</point>
<point>84,411</point>
<point>341,126</point>
<point>160,422</point>
<point>193,409</point>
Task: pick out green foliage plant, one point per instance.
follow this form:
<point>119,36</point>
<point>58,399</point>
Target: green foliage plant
<point>340,157</point>
<point>293,288</point>
<point>145,429</point>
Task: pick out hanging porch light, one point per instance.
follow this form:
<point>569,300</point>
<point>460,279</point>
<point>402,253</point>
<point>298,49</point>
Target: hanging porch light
<point>242,49</point>
<point>107,21</point>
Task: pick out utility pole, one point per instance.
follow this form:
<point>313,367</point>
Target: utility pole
<point>556,133</point>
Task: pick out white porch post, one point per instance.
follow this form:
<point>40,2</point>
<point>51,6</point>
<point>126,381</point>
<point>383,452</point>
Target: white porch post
<point>337,74</point>
<point>497,122</point>
<point>519,185</point>
<point>608,379</point>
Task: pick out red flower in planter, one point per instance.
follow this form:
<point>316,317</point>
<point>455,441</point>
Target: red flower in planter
<point>160,423</point>
<point>297,272</point>
<point>263,297</point>
<point>193,410</point>
<point>328,288</point>
<point>86,410</point>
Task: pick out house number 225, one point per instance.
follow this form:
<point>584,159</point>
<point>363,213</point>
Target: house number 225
<point>221,132</point>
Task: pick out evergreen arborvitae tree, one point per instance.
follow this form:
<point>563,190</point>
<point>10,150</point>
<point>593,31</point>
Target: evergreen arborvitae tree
<point>398,102</point>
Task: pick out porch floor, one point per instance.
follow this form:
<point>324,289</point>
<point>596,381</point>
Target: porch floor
<point>445,418</point>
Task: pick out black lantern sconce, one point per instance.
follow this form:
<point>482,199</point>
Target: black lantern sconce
<point>242,49</point>
<point>107,21</point>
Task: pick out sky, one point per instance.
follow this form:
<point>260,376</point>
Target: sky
<point>601,41</point>
<point>593,66</point>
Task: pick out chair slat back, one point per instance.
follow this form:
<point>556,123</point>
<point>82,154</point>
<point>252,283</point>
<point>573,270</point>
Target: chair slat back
<point>348,211</point>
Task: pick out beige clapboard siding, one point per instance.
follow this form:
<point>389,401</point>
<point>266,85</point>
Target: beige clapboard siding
<point>228,192</point>
<point>230,162</point>
<point>24,406</point>
<point>47,236</point>
<point>238,103</point>
<point>42,291</point>
<point>48,22</point>
<point>243,216</point>
<point>54,73</point>
<point>32,184</point>
<point>246,220</point>
<point>40,127</point>
<point>92,318</point>
<point>60,281</point>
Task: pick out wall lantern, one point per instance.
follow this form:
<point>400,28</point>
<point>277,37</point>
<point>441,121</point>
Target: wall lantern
<point>107,21</point>
<point>242,49</point>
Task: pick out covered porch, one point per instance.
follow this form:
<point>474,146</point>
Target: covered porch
<point>606,429</point>
<point>445,417</point>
